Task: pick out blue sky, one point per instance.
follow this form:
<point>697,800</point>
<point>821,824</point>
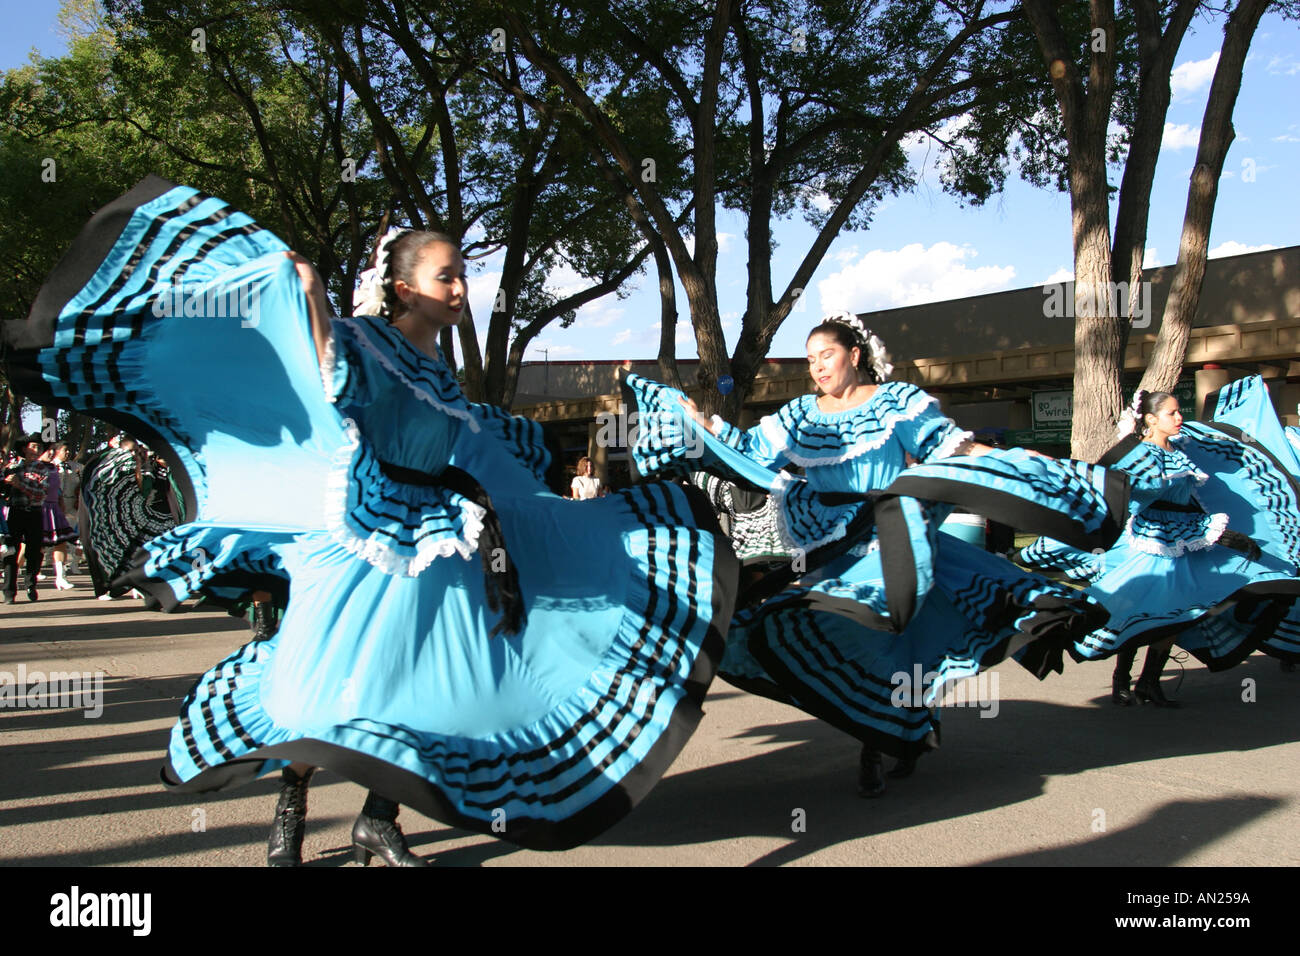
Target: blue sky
<point>924,246</point>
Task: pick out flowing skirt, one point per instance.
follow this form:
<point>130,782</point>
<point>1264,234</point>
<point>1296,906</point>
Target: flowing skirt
<point>180,319</point>
<point>871,630</point>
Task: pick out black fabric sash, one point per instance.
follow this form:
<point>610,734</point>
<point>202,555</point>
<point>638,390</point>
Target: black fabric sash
<point>503,593</point>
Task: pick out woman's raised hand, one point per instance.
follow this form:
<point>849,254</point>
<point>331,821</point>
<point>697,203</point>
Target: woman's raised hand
<point>696,414</point>
<point>312,283</point>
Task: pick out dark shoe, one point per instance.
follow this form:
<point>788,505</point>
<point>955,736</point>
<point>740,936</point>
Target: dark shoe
<point>264,624</point>
<point>31,593</point>
<point>7,598</point>
<point>284,847</point>
<point>1150,693</point>
<point>1120,694</point>
<point>871,773</point>
<point>903,769</point>
<point>376,833</point>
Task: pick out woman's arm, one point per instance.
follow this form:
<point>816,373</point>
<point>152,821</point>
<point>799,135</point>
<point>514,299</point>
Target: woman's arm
<point>318,308</point>
<point>693,410</point>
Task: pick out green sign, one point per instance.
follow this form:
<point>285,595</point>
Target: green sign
<point>1052,410</point>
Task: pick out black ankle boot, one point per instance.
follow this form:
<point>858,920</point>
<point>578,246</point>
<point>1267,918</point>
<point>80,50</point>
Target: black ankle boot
<point>376,833</point>
<point>1147,689</point>
<point>264,623</point>
<point>904,768</point>
<point>1150,693</point>
<point>1119,692</point>
<point>284,847</point>
<point>871,773</point>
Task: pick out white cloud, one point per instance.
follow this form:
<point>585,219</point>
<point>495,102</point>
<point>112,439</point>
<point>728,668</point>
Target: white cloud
<point>603,312</point>
<point>819,200</point>
<point>724,241</point>
<point>1060,275</point>
<point>563,280</point>
<point>1290,136</point>
<point>621,337</point>
<point>884,278</point>
<point>482,296</point>
<point>1180,136</point>
<point>1193,76</point>
<point>1285,65</point>
<point>1150,258</point>
<point>1234,248</point>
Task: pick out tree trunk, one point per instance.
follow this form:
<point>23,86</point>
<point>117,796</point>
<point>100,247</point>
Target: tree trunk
<point>668,370</point>
<point>1098,337</point>
<point>1157,52</point>
<point>1216,137</point>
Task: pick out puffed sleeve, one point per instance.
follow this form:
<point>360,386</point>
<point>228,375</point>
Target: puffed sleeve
<point>765,444</point>
<point>926,433</point>
<point>347,370</point>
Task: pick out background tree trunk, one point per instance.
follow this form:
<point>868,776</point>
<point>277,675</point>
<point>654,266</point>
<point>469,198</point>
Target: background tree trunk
<point>1217,135</point>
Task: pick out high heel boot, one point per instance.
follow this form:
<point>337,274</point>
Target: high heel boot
<point>376,833</point>
<point>871,773</point>
<point>1147,689</point>
<point>1119,692</point>
<point>284,847</point>
<point>264,622</point>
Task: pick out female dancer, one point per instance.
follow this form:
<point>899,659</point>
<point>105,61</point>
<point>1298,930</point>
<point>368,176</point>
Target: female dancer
<point>124,503</point>
<point>885,612</point>
<point>1165,580</point>
<point>538,697</point>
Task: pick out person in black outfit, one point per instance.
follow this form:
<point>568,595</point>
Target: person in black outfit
<point>24,484</point>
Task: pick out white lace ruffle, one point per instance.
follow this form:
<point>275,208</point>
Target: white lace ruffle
<point>369,345</point>
<point>784,443</point>
<point>948,447</point>
<point>377,553</point>
<point>328,365</point>
<point>1218,524</point>
<point>780,488</point>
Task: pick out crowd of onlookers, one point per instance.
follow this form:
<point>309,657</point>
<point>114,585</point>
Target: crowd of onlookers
<point>39,489</point>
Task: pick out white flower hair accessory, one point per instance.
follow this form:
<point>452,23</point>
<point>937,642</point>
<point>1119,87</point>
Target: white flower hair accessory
<point>368,299</point>
<point>1128,419</point>
<point>869,342</point>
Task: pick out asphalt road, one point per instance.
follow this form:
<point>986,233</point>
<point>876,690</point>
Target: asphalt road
<point>1058,777</point>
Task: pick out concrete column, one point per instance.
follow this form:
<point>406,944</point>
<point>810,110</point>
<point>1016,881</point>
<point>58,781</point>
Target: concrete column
<point>1209,380</point>
<point>598,453</point>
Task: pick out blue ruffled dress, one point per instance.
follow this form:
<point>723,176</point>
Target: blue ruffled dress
<point>1243,410</point>
<point>1167,574</point>
<point>182,319</point>
<point>877,613</point>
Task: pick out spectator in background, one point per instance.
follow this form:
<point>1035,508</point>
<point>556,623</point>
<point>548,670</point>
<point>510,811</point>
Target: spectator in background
<point>25,482</point>
<point>586,485</point>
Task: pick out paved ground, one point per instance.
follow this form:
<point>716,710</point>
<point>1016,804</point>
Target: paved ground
<point>1059,777</point>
